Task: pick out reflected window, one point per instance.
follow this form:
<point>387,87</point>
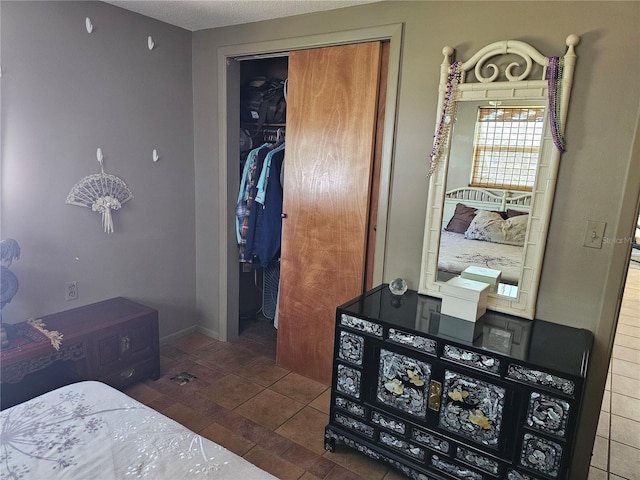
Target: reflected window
<point>506,147</point>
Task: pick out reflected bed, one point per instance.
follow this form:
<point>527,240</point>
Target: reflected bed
<point>484,228</point>
<point>457,253</point>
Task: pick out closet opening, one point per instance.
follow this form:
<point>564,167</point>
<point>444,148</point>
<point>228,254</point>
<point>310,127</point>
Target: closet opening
<point>311,127</point>
<point>259,208</point>
<point>330,208</point>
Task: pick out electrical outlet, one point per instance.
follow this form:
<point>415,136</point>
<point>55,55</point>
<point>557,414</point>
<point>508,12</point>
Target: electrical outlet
<point>71,290</point>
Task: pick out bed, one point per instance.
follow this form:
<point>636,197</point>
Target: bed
<point>90,430</point>
<point>485,228</point>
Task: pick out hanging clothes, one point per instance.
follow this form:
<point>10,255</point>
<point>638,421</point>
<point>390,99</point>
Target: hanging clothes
<point>259,207</point>
<point>246,194</point>
<point>248,174</point>
<point>264,175</point>
<point>254,214</point>
<point>268,234</point>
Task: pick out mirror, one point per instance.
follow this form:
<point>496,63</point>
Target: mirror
<point>493,168</point>
<point>494,148</point>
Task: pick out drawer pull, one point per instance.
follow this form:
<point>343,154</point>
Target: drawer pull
<point>127,373</point>
<point>125,343</point>
<point>435,390</point>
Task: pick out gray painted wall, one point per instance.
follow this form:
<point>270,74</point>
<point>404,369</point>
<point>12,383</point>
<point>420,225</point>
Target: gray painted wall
<point>64,94</point>
<point>599,177</point>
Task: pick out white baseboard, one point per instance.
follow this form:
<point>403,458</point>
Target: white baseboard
<point>181,333</point>
<point>208,332</point>
<point>187,331</point>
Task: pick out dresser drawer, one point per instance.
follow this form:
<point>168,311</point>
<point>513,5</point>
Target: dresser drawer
<point>115,348</point>
<point>135,372</point>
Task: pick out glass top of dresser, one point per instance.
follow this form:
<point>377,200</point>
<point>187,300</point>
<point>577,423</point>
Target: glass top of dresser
<point>547,344</point>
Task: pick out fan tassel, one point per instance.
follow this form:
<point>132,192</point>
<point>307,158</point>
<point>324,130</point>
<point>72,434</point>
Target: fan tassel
<point>107,220</point>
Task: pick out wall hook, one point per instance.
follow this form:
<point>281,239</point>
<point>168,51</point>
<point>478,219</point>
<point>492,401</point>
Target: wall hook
<point>100,157</point>
<point>88,24</point>
<point>150,43</point>
<point>155,155</point>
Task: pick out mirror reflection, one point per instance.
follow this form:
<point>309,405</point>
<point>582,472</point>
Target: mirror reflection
<point>493,161</point>
<point>499,137</point>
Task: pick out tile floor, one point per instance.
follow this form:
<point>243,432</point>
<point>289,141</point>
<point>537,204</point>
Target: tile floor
<point>243,401</point>
<point>616,452</point>
<point>275,418</point>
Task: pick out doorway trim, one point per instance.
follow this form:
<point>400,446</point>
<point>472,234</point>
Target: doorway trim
<point>228,79</point>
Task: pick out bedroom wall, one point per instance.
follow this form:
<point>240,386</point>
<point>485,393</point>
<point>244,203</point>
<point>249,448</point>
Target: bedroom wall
<point>599,177</point>
<point>604,109</point>
<point>64,94</point>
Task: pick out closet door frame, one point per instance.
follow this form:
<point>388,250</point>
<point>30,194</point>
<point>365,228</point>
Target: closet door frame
<point>228,175</point>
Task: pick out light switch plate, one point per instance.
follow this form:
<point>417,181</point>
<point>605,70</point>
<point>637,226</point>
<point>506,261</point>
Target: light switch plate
<point>594,234</point>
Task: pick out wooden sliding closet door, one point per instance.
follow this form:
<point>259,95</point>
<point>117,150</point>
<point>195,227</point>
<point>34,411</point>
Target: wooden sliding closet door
<point>331,122</point>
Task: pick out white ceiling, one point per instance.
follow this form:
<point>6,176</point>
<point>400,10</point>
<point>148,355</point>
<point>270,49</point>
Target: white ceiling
<point>197,15</point>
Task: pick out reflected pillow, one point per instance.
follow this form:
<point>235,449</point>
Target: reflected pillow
<point>491,227</point>
<point>461,219</point>
<point>513,213</point>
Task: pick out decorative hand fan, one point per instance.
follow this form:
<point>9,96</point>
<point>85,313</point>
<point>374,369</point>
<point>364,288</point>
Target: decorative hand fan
<point>102,193</point>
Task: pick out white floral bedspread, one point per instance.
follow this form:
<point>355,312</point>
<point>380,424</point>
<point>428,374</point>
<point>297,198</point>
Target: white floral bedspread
<point>89,430</point>
<point>457,253</point>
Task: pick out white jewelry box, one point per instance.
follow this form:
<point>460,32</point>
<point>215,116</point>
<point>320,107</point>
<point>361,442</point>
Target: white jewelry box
<point>483,274</point>
<point>464,298</point>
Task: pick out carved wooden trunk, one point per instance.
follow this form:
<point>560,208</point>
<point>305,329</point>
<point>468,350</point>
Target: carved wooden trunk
<point>115,341</point>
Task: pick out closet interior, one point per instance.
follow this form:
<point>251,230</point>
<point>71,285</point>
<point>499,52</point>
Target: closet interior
<point>259,208</point>
<point>321,206</point>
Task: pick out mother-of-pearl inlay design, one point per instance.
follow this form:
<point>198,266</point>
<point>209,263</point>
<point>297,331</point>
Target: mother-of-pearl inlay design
<point>472,408</point>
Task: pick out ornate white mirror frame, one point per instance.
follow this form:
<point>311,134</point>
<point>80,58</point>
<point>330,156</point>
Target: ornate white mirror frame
<point>502,85</point>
